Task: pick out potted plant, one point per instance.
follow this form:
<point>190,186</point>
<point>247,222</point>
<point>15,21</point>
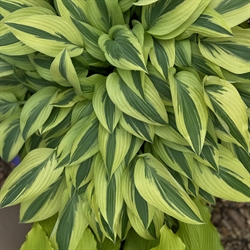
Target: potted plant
<point>129,117</point>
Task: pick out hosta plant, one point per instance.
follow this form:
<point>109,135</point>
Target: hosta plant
<point>130,116</point>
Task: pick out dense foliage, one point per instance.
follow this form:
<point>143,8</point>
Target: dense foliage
<point>129,116</point>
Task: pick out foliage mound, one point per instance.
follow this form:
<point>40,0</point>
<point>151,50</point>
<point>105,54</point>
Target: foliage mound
<point>129,117</point>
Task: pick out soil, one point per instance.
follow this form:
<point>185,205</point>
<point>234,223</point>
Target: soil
<point>231,219</point>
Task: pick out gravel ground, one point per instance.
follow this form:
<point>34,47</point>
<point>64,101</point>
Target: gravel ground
<point>231,219</point>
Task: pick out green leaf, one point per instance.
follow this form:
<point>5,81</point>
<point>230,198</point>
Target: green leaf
<point>135,242</point>
<point>156,15</point>
<point>108,245</point>
<point>31,177</point>
<point>44,205</point>
<point>231,183</point>
<point>36,111</point>
<point>154,183</point>
<point>37,239</point>
<point>6,68</point>
<point>149,109</point>
<point>223,51</point>
<point>122,48</point>
<point>104,15</point>
<point>107,113</point>
<point>63,72</point>
<point>225,102</point>
<point>37,32</point>
<point>162,56</point>
<point>87,241</point>
<point>11,139</point>
<point>169,240</point>
<point>197,237</point>
<point>190,108</point>
<point>113,147</point>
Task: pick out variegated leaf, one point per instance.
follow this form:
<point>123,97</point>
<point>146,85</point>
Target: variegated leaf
<point>231,183</point>
<point>234,12</point>
<point>65,146</point>
<point>160,84</point>
<point>152,231</point>
<point>211,24</point>
<point>190,109</point>
<point>11,139</point>
<point>149,109</point>
<point>137,205</point>
<point>85,144</point>
<point>154,183</point>
<point>10,45</point>
<point>183,57</point>
<point>44,205</point>
<point>8,105</point>
<point>36,111</point>
<point>63,72</point>
<point>113,147</point>
<point>202,65</point>
<point>122,49</point>
<point>137,128</point>
<point>104,15</point>
<point>223,51</point>
<point>80,174</point>
<point>31,177</point>
<point>37,32</point>
<point>68,232</point>
<point>9,6</point>
<point>80,110</point>
<point>162,56</point>
<point>156,15</point>
<point>42,65</point>
<point>90,35</point>
<point>179,161</point>
<point>66,99</point>
<point>224,100</point>
<point>73,9</point>
<point>108,192</point>
<point>57,115</point>
<point>107,113</point>
<point>6,68</point>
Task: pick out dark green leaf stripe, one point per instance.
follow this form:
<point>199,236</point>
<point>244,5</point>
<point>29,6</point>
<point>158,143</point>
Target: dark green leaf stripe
<point>208,153</point>
<point>218,109</point>
<point>83,171</point>
<point>23,184</point>
<point>75,11</point>
<point>206,196</point>
<point>40,33</point>
<point>138,128</point>
<point>142,106</point>
<point>243,156</point>
<point>88,141</point>
<point>230,5</point>
<point>65,98</point>
<point>206,21</point>
<point>39,201</point>
<point>161,7</point>
<point>234,182</point>
<point>7,39</point>
<point>11,7</point>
